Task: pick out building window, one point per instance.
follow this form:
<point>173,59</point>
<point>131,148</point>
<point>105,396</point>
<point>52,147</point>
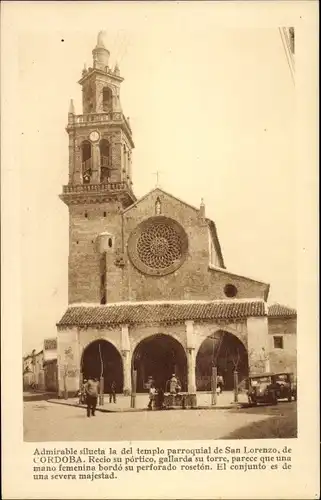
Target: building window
<point>107,99</point>
<point>86,161</point>
<point>230,290</point>
<point>158,207</point>
<point>278,342</point>
<point>158,246</point>
<point>105,165</point>
<point>213,257</point>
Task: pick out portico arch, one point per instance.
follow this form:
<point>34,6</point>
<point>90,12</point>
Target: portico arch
<point>159,356</point>
<point>225,351</point>
<point>99,359</point>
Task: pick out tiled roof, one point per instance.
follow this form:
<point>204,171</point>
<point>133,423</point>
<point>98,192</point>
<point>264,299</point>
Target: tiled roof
<point>159,312</point>
<point>275,310</point>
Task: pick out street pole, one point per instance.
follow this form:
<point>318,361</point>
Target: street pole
<point>214,384</point>
<point>101,391</point>
<point>133,394</point>
<point>236,383</point>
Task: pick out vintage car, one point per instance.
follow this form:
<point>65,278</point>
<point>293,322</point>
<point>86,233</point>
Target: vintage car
<point>262,389</point>
<point>285,386</point>
<point>270,387</point>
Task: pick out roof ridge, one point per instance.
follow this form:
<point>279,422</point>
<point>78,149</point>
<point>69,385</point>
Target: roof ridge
<point>175,312</point>
<point>163,191</point>
<point>165,302</point>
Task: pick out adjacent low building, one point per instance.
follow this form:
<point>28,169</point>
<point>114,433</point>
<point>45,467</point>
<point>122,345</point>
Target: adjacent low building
<point>33,373</point>
<point>40,368</point>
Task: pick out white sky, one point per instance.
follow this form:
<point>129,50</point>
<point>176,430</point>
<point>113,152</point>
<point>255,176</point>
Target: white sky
<point>212,108</point>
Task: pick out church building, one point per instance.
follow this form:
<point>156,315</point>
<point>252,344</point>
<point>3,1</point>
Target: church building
<point>148,288</point>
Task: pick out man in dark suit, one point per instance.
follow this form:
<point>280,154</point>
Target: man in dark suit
<point>92,391</point>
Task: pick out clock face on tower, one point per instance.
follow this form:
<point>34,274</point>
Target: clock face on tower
<point>94,136</point>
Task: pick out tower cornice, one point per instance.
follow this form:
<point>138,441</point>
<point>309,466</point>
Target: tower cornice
<point>112,120</point>
<point>82,194</point>
<point>108,72</point>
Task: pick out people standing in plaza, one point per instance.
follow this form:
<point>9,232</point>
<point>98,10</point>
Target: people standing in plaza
<point>174,385</point>
<point>82,392</point>
<point>112,392</point>
<point>152,394</point>
<point>220,383</point>
<point>160,398</point>
<point>92,391</point>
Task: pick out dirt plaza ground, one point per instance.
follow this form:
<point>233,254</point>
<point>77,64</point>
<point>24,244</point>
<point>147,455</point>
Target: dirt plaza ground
<point>47,421</point>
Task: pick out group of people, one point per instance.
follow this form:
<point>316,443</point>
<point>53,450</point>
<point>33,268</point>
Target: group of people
<point>90,391</point>
<point>157,396</point>
<point>89,394</point>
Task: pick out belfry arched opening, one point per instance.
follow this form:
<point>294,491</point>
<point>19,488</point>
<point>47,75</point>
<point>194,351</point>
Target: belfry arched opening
<point>159,356</point>
<point>101,359</point>
<point>227,353</point>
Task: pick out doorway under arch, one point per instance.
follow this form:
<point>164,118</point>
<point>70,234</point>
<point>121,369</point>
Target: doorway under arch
<point>225,351</point>
<point>159,356</point>
<point>101,358</point>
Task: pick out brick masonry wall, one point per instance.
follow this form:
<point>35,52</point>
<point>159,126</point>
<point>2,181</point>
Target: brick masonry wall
<point>283,359</point>
<point>84,258</point>
<point>194,279</point>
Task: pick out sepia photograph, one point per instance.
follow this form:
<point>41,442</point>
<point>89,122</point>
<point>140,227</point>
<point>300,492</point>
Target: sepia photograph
<point>158,226</point>
<point>159,257</point>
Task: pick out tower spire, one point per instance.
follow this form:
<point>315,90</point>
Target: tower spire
<point>100,53</point>
<point>71,107</point>
<point>100,39</point>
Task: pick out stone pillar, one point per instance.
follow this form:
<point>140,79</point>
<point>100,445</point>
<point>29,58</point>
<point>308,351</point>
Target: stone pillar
<point>258,344</point>
<point>129,167</point>
<point>77,166</point>
<point>116,159</point>
<point>190,345</point>
<point>71,151</point>
<point>125,349</point>
<point>191,371</point>
<point>95,178</point>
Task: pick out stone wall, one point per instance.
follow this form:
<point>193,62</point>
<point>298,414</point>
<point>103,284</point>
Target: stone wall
<point>84,258</point>
<point>283,359</point>
<point>196,280</point>
<point>258,345</point>
<point>68,361</point>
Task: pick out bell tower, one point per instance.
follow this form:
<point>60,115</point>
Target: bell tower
<point>100,179</point>
<point>100,139</point>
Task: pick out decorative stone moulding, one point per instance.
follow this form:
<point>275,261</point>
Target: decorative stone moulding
<point>158,246</point>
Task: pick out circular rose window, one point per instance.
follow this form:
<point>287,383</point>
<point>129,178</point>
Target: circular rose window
<point>158,246</point>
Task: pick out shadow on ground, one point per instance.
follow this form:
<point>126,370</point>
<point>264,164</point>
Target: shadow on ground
<point>281,423</point>
<point>38,396</point>
<point>283,407</point>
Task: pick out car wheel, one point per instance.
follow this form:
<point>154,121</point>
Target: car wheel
<point>290,399</point>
